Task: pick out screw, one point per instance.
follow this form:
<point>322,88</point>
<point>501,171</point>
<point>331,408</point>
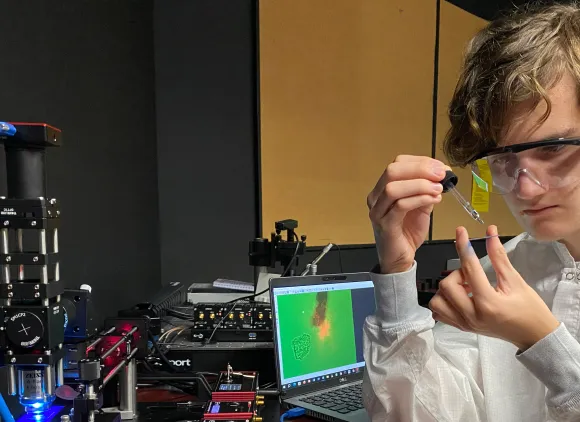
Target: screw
<point>6,222</point>
<point>36,294</point>
<point>10,286</point>
<point>12,360</point>
<point>10,294</point>
<point>53,201</point>
<point>33,223</point>
<point>8,259</point>
<point>35,259</point>
<point>36,287</point>
<point>39,360</point>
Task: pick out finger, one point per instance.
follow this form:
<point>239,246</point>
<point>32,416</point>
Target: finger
<point>408,167</point>
<point>453,290</point>
<point>400,208</point>
<point>444,320</point>
<point>498,256</point>
<point>439,305</point>
<point>403,189</point>
<point>470,265</point>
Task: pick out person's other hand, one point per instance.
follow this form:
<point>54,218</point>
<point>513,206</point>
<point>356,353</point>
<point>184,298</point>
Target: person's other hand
<point>400,206</point>
<point>512,310</point>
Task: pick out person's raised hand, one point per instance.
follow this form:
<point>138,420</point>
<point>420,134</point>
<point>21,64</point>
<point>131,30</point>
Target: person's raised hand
<point>511,310</point>
<point>400,206</point>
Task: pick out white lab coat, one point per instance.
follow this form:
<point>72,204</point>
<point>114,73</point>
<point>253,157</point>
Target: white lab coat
<point>419,371</point>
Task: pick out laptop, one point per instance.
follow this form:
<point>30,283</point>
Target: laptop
<point>318,331</point>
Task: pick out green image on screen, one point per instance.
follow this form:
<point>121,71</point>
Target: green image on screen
<point>316,331</point>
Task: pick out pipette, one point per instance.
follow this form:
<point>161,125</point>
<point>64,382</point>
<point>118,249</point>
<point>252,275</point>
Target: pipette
<point>449,183</point>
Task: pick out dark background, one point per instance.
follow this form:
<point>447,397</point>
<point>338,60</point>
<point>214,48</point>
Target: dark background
<point>158,174</point>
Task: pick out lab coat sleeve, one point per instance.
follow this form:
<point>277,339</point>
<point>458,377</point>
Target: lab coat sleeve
<point>555,361</point>
<point>412,375</point>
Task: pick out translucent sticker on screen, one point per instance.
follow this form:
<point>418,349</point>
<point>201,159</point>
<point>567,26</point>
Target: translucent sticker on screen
<point>482,184</point>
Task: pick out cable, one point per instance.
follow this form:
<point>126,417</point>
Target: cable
<point>161,354</point>
<point>268,288</point>
<point>221,320</point>
<point>292,413</point>
<point>339,257</point>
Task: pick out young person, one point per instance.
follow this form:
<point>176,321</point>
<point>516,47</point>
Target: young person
<point>507,348</point>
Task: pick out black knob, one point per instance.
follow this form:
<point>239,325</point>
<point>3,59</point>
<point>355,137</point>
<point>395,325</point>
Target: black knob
<point>24,329</point>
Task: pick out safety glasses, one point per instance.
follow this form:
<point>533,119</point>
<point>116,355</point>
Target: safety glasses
<point>550,164</point>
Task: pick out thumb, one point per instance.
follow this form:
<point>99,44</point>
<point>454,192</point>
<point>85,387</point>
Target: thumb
<point>506,273</point>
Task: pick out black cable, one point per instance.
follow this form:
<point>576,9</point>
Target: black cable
<point>268,288</point>
<point>220,322</point>
<point>339,257</point>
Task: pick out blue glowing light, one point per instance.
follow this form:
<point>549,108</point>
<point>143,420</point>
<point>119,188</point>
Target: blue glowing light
<point>44,416</point>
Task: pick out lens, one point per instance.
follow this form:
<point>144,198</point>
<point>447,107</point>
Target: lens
<point>550,167</point>
<point>33,392</point>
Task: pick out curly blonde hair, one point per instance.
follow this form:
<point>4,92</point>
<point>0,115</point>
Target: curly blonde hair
<point>515,58</point>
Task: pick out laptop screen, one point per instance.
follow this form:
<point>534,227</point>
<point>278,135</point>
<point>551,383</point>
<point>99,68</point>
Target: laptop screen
<point>319,330</point>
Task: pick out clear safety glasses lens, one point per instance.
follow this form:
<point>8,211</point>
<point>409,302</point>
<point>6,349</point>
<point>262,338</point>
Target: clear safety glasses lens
<point>550,167</point>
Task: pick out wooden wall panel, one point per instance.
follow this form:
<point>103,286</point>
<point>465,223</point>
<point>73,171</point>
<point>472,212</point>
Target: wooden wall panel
<point>345,87</point>
<point>456,29</point>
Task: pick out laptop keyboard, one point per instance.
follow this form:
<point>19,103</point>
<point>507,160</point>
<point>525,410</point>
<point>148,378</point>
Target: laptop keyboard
<point>342,400</point>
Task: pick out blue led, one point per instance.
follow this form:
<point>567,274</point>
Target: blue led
<point>44,416</point>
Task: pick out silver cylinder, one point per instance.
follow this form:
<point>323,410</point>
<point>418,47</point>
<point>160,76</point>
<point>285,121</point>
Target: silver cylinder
<point>5,267</point>
<point>60,372</point>
<point>20,249</point>
<point>42,241</point>
<point>4,241</point>
<point>12,385</point>
<point>49,379</point>
<point>127,384</point>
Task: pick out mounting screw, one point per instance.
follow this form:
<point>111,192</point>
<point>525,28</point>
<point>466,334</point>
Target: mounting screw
<point>10,286</point>
<point>36,287</point>
<point>10,294</point>
<point>8,259</point>
<point>13,360</point>
<point>6,222</point>
<point>36,294</point>
<point>39,360</point>
<point>33,223</point>
<point>35,259</point>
